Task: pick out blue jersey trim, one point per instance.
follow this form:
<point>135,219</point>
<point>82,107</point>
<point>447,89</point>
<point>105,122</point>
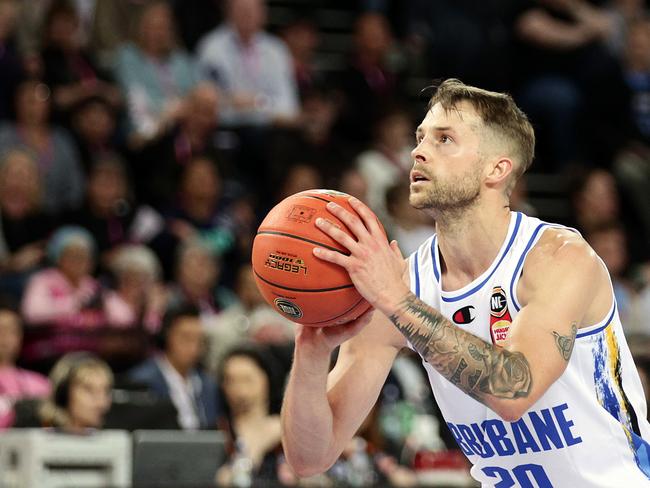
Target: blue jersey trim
<point>487,278</point>
<point>434,257</point>
<point>521,262</point>
<point>417,274</point>
<point>601,328</point>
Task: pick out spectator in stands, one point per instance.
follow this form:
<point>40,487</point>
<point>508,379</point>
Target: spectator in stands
<point>15,383</point>
<point>111,214</point>
<point>24,227</point>
<point>632,293</point>
<point>637,75</point>
<point>369,82</point>
<point>197,280</point>
<point>66,293</point>
<point>69,70</point>
<point>81,394</point>
<point>139,297</point>
<point>352,182</point>
<point>299,177</point>
<point>569,84</point>
<point>249,318</point>
<point>389,159</point>
<point>251,386</point>
<point>10,62</point>
<point>200,212</point>
<point>62,304</point>
<point>595,199</point>
<point>51,147</point>
<point>155,74</point>
<point>251,67</point>
<point>159,164</point>
<point>408,225</point>
<point>175,373</point>
<point>302,39</point>
<point>94,123</point>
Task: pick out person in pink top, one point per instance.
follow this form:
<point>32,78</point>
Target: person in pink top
<point>62,305</point>
<point>15,383</point>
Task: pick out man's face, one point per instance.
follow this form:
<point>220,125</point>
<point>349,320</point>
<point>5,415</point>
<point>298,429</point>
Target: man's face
<point>448,165</point>
<point>185,342</point>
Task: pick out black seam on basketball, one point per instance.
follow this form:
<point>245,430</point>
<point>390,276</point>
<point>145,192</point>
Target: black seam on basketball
<point>293,236</point>
<point>302,289</point>
<point>334,318</point>
<point>317,198</point>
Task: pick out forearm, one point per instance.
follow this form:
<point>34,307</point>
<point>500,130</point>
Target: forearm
<point>487,373</point>
<point>307,419</point>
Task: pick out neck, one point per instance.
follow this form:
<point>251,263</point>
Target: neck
<point>469,239</point>
<point>180,369</point>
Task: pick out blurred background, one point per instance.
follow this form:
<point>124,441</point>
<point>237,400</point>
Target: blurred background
<point>141,144</point>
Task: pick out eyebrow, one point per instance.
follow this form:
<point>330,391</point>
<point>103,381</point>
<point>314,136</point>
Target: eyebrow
<point>438,128</point>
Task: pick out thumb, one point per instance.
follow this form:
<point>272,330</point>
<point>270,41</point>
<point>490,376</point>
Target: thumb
<point>395,247</point>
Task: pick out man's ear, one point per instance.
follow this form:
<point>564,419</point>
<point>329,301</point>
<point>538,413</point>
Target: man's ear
<point>499,172</point>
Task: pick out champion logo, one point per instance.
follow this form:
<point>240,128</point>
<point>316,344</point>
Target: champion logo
<point>464,315</point>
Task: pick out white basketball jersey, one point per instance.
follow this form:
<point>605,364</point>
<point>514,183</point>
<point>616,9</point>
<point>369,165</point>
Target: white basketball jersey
<point>588,430</point>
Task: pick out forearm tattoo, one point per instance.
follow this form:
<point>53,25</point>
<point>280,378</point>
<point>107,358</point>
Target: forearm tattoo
<point>476,367</point>
<point>565,343</point>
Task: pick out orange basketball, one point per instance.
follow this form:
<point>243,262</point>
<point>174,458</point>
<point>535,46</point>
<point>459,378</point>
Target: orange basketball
<point>292,280</point>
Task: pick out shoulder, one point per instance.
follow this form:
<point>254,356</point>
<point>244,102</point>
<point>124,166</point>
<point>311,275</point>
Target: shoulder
<point>145,370</point>
<point>560,256</point>
<point>273,44</point>
<point>212,41</point>
<point>561,246</point>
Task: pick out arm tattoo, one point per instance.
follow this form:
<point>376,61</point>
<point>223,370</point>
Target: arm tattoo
<point>565,343</point>
<point>476,367</point>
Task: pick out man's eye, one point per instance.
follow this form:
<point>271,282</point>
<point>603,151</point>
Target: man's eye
<point>445,139</point>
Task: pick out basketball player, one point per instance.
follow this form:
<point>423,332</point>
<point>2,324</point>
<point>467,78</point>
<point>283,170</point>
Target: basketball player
<point>514,318</point>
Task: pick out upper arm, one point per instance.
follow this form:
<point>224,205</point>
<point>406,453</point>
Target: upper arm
<point>562,276</point>
<point>363,364</point>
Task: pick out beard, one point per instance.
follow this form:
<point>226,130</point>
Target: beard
<point>452,195</point>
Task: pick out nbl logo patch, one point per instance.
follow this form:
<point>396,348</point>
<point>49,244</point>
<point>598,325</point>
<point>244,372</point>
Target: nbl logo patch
<point>500,318</point>
<point>288,308</point>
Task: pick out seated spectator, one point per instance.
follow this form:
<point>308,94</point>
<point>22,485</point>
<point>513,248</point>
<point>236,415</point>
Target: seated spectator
<point>65,294</point>
<point>408,225</point>
<point>199,212</point>
<point>51,147</point>
<point>302,39</point>
<point>252,389</point>
<point>299,177</point>
<point>160,163</point>
<point>154,73</point>
<point>94,124</point>
<point>197,280</point>
<point>175,373</point>
<point>62,304</point>
<point>15,383</point>
<point>24,227</point>
<point>110,214</point>
<point>81,394</point>
<point>249,318</point>
<point>251,67</point>
<point>68,68</point>
<point>139,297</point>
<point>369,82</point>
<point>637,75</point>
<point>389,160</point>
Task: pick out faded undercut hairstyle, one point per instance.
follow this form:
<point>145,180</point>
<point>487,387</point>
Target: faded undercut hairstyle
<point>499,113</point>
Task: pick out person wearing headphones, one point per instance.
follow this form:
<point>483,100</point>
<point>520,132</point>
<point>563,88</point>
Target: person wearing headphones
<point>80,396</point>
<point>176,372</point>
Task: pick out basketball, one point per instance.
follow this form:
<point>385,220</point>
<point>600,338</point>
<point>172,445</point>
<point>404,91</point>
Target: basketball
<point>292,280</point>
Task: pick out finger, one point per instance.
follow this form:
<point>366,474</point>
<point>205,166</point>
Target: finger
<point>336,233</point>
<point>351,221</point>
<point>395,247</point>
<point>334,257</point>
<point>367,216</point>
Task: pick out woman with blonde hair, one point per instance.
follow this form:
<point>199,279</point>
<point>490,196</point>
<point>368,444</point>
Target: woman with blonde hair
<point>81,394</point>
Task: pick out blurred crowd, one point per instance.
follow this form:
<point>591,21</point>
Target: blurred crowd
<point>142,142</point>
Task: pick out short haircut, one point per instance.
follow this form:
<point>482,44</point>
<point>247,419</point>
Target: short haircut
<point>499,112</point>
